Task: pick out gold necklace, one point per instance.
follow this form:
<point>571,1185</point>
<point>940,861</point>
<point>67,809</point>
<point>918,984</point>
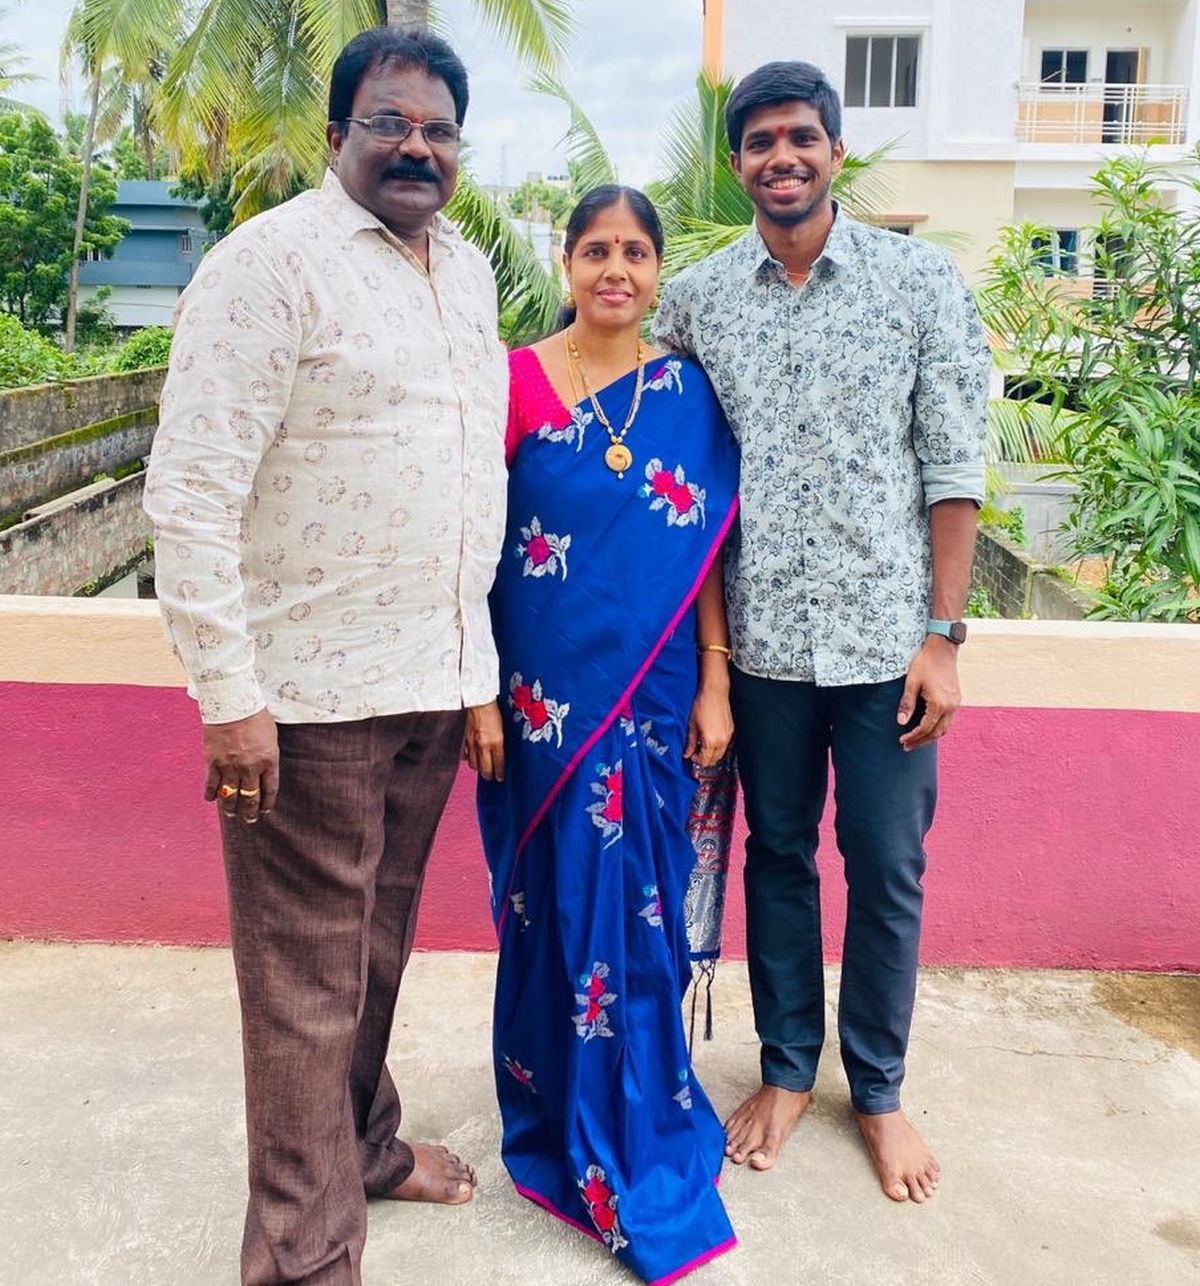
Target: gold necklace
<point>618,457</point>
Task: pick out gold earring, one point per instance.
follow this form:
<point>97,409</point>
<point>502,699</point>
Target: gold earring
<point>654,303</point>
<point>569,302</point>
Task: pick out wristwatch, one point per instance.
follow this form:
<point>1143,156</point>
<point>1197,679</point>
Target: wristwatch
<point>955,631</point>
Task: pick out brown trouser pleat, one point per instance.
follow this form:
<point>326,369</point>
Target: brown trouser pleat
<point>323,897</point>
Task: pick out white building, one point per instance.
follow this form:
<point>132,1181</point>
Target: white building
<point>1000,110</point>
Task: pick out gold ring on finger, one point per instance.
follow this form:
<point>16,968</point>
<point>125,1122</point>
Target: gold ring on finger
<point>227,791</point>
<point>248,794</point>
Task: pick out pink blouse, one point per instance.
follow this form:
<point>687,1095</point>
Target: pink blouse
<point>532,401</point>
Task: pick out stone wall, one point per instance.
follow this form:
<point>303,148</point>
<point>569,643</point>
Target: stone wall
<point>40,471</point>
<point>1020,587</point>
<point>28,415</point>
<point>78,543</point>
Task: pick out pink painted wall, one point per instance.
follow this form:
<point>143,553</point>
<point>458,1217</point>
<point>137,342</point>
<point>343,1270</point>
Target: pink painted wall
<point>1065,838</point>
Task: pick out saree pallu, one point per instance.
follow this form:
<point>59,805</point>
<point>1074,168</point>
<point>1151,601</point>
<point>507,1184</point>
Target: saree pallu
<point>587,839</point>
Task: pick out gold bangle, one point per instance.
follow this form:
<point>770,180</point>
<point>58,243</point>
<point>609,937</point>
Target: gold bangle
<point>715,647</point>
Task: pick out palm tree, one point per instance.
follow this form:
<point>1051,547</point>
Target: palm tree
<point>12,72</point>
<point>112,40</point>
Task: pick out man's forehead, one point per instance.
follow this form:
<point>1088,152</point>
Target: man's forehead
<point>391,83</point>
<point>792,114</point>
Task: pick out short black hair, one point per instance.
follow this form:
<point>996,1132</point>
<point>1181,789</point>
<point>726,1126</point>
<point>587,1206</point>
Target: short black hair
<point>783,83</point>
<point>405,47</point>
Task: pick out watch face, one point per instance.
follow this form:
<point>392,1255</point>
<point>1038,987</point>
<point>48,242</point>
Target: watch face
<point>958,632</point>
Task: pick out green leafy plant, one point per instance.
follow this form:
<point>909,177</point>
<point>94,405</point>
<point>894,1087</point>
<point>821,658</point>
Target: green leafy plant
<point>1118,371</point>
<point>27,357</point>
<point>150,346</point>
<point>979,604</point>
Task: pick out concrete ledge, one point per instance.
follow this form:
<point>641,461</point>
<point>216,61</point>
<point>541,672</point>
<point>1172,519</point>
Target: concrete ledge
<point>1065,834</point>
<point>39,411</point>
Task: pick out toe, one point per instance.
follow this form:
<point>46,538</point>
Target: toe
<point>762,1159</point>
<point>897,1190</point>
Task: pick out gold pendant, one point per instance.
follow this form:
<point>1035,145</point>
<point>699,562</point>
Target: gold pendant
<point>618,457</point>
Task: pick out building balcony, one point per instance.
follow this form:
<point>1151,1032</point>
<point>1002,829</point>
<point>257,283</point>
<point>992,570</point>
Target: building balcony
<point>1091,114</point>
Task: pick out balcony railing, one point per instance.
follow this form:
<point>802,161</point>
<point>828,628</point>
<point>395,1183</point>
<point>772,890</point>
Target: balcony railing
<point>1127,114</point>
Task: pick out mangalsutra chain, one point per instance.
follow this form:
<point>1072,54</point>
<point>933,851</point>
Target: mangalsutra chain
<point>618,457</point>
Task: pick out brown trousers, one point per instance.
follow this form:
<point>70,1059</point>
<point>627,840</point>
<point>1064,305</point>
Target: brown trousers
<point>323,897</point>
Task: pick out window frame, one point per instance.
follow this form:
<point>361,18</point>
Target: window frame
<point>869,39</point>
<point>1062,84</point>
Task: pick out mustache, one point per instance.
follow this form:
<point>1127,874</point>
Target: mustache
<point>413,171</point>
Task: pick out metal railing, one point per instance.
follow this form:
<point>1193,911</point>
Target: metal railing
<point>1138,114</point>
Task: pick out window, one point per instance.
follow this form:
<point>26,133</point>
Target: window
<point>185,243</point>
<point>1059,253</point>
<point>1064,66</point>
<point>92,256</point>
<point>881,71</point>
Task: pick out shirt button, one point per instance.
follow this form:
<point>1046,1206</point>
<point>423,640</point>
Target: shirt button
<point>812,602</point>
<point>805,487</point>
<point>810,541</point>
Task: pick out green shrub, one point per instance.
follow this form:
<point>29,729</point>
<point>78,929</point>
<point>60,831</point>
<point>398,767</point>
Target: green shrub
<point>150,346</point>
<point>979,604</point>
<point>27,357</point>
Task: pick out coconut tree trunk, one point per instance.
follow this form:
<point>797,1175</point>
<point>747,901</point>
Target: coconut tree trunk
<point>408,13</point>
<point>89,141</point>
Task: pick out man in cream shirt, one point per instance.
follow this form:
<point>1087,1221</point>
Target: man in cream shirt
<point>327,488</point>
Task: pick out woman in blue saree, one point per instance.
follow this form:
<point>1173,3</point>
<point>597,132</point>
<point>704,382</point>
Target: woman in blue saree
<point>609,621</point>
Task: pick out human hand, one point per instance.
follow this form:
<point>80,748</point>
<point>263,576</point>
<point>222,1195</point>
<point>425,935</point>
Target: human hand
<point>933,680</point>
<point>710,728</point>
<point>243,766</point>
<point>484,749</point>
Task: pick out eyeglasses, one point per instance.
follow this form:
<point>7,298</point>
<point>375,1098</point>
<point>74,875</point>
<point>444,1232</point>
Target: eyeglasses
<point>395,129</point>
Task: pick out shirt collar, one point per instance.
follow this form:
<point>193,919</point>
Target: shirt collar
<point>838,251</point>
<point>353,218</point>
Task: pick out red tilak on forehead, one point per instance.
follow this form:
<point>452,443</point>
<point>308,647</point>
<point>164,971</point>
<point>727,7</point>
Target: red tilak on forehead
<point>782,131</point>
<point>617,239</point>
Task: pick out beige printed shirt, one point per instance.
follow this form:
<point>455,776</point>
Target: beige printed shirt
<point>327,483</point>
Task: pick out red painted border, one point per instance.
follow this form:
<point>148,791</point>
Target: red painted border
<point>1065,838</point>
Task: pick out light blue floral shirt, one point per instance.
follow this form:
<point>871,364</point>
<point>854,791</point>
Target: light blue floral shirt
<point>858,400</point>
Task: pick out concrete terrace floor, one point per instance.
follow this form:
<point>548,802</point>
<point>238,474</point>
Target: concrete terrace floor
<point>1065,1109</point>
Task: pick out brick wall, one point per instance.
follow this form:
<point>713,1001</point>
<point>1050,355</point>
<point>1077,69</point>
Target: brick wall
<point>92,535</point>
<point>40,471</point>
<point>1021,587</point>
<point>28,415</point>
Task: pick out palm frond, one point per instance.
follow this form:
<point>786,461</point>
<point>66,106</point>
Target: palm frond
<point>1024,431</point>
<point>699,183</point>
<point>329,25</point>
<point>529,297</point>
<point>696,239</point>
<point>861,186</point>
<point>537,31</point>
<point>593,167</point>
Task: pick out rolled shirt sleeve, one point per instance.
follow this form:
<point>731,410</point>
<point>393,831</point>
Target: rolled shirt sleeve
<point>950,395</point>
<point>233,360</point>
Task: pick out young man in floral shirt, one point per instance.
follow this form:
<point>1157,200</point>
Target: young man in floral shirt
<point>854,370</point>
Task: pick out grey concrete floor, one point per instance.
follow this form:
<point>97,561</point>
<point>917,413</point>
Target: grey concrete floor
<point>1065,1109</point>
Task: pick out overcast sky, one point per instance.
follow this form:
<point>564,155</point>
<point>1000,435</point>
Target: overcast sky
<point>631,63</point>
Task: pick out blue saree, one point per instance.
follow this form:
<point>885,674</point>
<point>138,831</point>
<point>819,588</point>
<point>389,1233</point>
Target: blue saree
<point>599,836</point>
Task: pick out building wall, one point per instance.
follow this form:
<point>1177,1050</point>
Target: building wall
<point>1098,26</point>
<point>138,305</point>
<point>970,198</point>
<point>1065,834</point>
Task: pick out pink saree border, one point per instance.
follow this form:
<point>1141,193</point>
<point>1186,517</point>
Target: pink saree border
<point>605,723</point>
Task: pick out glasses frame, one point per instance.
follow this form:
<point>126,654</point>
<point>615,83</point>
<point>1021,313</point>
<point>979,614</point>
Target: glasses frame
<point>368,122</point>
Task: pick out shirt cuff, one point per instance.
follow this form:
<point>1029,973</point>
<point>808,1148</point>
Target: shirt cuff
<point>954,482</point>
<point>229,699</point>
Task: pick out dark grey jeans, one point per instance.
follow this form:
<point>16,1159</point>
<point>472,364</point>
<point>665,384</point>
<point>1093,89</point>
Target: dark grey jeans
<point>787,732</point>
<point>323,897</point>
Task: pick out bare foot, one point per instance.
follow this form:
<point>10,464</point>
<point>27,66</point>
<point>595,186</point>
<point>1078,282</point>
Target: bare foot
<point>907,1169</point>
<point>438,1176</point>
<point>760,1127</point>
